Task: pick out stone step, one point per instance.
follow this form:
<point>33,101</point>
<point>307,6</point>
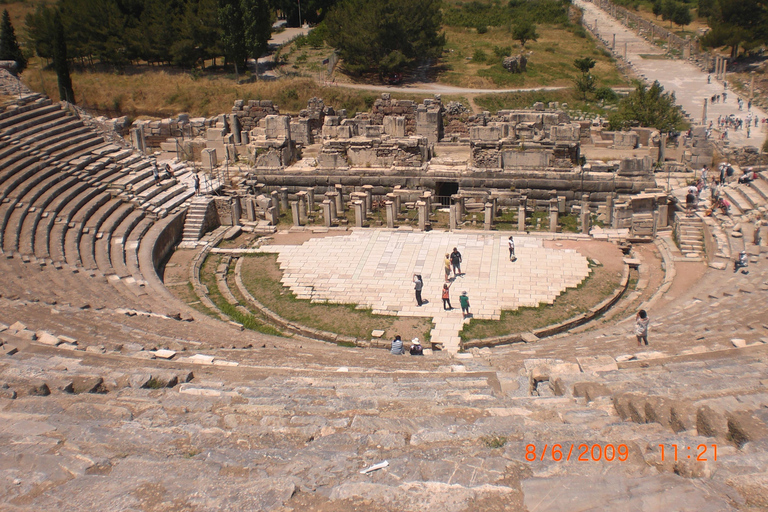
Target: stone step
<point>22,117</point>
<point>28,224</point>
<point>103,242</point>
<point>118,241</point>
<point>44,227</point>
<point>56,247</point>
<point>93,224</point>
<point>74,235</point>
<point>737,199</point>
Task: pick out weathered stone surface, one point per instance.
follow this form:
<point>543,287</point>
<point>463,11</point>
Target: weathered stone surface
<point>85,384</point>
<point>710,422</point>
<point>590,390</point>
<point>744,427</point>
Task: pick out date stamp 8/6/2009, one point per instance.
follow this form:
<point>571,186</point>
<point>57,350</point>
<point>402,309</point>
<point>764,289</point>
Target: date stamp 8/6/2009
<point>583,452</point>
<point>594,452</point>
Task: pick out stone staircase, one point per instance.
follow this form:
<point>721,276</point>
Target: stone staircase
<point>690,235</point>
<point>194,222</point>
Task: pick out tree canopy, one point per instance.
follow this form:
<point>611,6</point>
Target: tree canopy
<point>737,24</point>
<point>647,106</point>
<point>9,46</point>
<point>384,35</point>
<point>179,32</point>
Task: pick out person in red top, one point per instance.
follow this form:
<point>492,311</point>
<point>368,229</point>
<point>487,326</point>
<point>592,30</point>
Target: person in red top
<point>447,297</point>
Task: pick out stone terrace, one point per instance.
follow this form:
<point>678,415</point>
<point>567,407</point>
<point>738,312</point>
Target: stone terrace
<point>116,396</point>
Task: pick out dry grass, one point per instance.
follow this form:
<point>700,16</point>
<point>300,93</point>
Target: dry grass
<point>162,93</point>
<point>19,11</point>
<point>551,62</point>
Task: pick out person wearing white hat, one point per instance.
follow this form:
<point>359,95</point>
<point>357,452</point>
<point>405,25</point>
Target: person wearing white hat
<point>416,349</point>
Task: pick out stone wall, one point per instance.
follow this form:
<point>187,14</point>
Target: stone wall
<point>249,114</point>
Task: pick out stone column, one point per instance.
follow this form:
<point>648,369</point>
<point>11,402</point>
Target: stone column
<point>488,216</point>
<point>339,198</point>
<point>625,50</point>
<point>274,200</point>
<point>427,198</point>
<point>301,197</point>
<point>521,214</point>
<point>585,213</point>
<point>663,215</point>
<point>609,209</point>
<point>331,196</point>
<point>284,198</point>
<point>295,213</point>
<point>398,204</point>
<point>272,216</point>
<point>751,85</point>
<point>327,213</point>
<point>250,208</point>
<point>368,189</point>
<point>390,207</point>
<point>236,211</point>
<point>704,113</point>
<point>311,199</point>
<point>423,217</point>
<point>209,159</point>
<point>613,44</point>
<point>725,69</point>
<point>687,49</point>
<point>359,207</point>
<point>553,215</point>
<point>458,201</point>
<point>452,218</point>
<point>140,143</point>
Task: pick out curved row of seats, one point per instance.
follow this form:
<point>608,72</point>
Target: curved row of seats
<point>68,198</point>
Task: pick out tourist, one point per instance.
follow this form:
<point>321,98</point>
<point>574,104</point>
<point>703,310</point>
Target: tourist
<point>169,170</point>
<point>156,174</point>
<point>397,346</point>
<point>749,105</point>
<point>464,301</point>
<point>511,243</point>
<point>690,202</point>
<point>447,264</point>
<point>725,96</point>
<point>418,286</point>
<point>704,175</point>
<point>456,262</point>
<point>740,263</point>
<point>416,349</point>
<point>447,297</point>
<point>196,181</point>
<point>641,327</point>
<point>709,79</point>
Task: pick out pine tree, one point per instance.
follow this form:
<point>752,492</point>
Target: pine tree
<point>60,63</point>
<point>9,47</point>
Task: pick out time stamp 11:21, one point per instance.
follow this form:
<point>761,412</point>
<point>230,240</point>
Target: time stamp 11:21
<point>596,451</point>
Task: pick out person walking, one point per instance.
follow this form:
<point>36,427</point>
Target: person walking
<point>447,297</point>
<point>418,286</point>
<point>511,243</point>
<point>156,174</point>
<point>464,301</point>
<point>456,262</point>
<point>447,264</point>
<point>641,327</point>
<point>397,346</point>
<point>196,181</point>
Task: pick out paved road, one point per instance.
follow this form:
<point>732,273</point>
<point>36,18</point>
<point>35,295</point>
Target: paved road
<point>686,80</point>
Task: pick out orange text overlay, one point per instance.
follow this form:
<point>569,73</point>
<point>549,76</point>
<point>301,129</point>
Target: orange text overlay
<point>583,452</point>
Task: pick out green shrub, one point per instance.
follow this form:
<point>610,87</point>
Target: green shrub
<point>606,94</point>
<point>502,51</point>
<point>479,56</point>
<point>482,29</point>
